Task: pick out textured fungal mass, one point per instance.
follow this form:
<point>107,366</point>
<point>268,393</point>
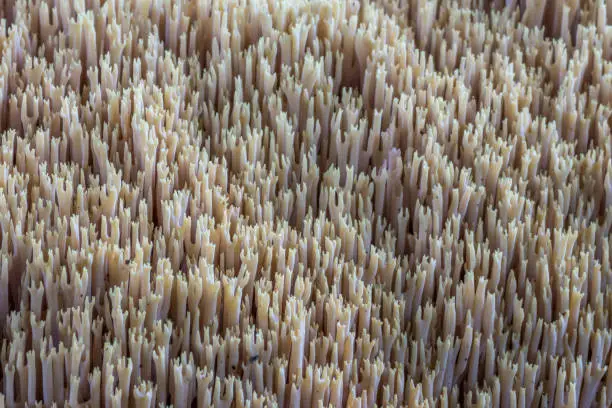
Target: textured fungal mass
<point>305,203</point>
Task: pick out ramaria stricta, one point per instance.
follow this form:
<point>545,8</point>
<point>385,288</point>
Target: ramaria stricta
<point>305,203</point>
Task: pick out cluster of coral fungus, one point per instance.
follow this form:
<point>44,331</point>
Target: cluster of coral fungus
<point>305,203</point>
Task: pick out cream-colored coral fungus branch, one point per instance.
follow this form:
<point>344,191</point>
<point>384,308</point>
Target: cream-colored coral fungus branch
<point>305,203</point>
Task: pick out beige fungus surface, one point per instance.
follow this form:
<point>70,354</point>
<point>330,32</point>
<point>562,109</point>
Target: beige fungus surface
<point>305,203</point>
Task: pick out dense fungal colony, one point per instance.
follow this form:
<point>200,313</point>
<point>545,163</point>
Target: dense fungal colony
<point>305,203</point>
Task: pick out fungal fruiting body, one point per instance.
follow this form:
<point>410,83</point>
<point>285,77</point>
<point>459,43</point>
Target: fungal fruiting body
<point>305,203</point>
